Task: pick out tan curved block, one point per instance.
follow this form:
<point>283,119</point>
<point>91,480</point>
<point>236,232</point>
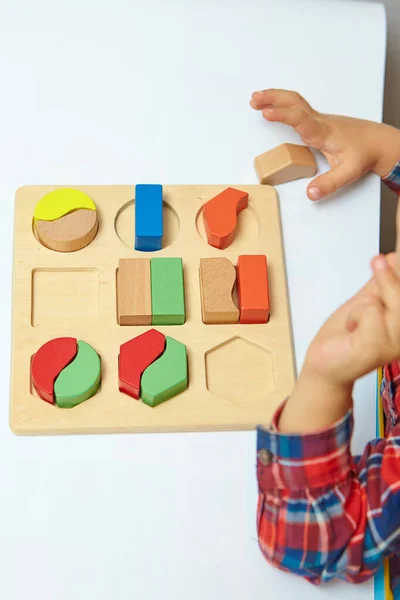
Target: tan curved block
<point>217,279</point>
<point>285,163</point>
<point>70,233</point>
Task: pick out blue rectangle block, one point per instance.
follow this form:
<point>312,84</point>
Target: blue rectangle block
<point>148,217</point>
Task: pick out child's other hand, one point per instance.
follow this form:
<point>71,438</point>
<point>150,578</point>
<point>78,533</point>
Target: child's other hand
<point>362,335</point>
<point>351,146</point>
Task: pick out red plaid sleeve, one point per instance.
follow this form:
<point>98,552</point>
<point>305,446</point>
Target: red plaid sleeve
<point>392,179</point>
<point>390,396</point>
<point>323,514</point>
<point>309,461</point>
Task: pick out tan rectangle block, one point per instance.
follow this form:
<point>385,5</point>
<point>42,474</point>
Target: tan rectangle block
<point>134,291</point>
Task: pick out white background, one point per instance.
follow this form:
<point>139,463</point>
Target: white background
<point>133,91</point>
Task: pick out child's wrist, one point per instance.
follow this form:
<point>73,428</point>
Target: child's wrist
<point>388,151</point>
<point>325,382</point>
<point>317,402</point>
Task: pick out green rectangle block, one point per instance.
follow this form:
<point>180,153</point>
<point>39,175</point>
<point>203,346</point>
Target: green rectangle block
<point>167,291</point>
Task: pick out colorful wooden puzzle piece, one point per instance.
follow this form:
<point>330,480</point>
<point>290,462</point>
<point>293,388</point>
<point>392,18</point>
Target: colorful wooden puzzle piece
<point>167,376</point>
<point>69,233</point>
<point>285,163</point>
<point>80,380</point>
<point>135,356</point>
<point>148,217</point>
<point>60,202</point>
<point>66,372</point>
<point>217,279</point>
<point>220,216</point>
<point>167,291</point>
<point>48,362</point>
<point>134,291</point>
<point>252,286</point>
<point>65,220</point>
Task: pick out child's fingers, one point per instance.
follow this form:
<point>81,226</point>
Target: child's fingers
<point>281,98</point>
<point>388,283</point>
<point>306,125</point>
<point>333,180</point>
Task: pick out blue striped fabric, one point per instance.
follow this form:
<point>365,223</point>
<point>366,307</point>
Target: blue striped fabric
<point>393,179</point>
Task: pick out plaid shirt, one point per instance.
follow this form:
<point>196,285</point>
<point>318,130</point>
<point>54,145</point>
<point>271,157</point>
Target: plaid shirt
<point>323,513</point>
<point>392,180</point>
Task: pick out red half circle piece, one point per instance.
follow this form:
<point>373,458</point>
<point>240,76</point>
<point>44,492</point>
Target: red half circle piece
<point>220,216</point>
<point>134,358</point>
<point>49,361</point>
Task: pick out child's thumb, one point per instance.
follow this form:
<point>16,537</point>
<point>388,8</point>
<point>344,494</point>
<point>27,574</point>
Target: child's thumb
<point>333,180</point>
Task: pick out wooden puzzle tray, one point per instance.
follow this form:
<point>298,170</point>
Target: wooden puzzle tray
<point>238,373</point>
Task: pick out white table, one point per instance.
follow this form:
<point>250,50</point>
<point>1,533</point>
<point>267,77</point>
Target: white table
<point>133,91</point>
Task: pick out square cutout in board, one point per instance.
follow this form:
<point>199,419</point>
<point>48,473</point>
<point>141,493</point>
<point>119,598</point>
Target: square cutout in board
<point>69,296</point>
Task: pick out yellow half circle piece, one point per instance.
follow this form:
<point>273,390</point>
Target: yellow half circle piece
<point>60,202</point>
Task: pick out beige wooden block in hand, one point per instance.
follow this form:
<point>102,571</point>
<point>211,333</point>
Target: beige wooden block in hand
<point>217,278</point>
<point>285,163</point>
<point>134,291</point>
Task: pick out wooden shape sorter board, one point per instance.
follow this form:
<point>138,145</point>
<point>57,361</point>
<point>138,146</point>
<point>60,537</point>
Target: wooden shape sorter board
<point>238,373</point>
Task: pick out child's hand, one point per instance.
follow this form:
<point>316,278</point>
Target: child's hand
<point>351,146</point>
<point>362,335</point>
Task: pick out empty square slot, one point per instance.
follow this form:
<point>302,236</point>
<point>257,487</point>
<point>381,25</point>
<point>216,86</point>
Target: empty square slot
<point>66,297</point>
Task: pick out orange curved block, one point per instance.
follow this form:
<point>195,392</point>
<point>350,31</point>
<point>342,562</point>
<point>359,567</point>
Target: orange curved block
<point>252,287</point>
<point>220,216</point>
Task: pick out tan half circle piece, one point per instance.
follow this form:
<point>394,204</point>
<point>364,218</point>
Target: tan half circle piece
<point>69,233</point>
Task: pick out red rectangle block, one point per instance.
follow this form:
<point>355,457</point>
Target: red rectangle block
<point>253,294</point>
